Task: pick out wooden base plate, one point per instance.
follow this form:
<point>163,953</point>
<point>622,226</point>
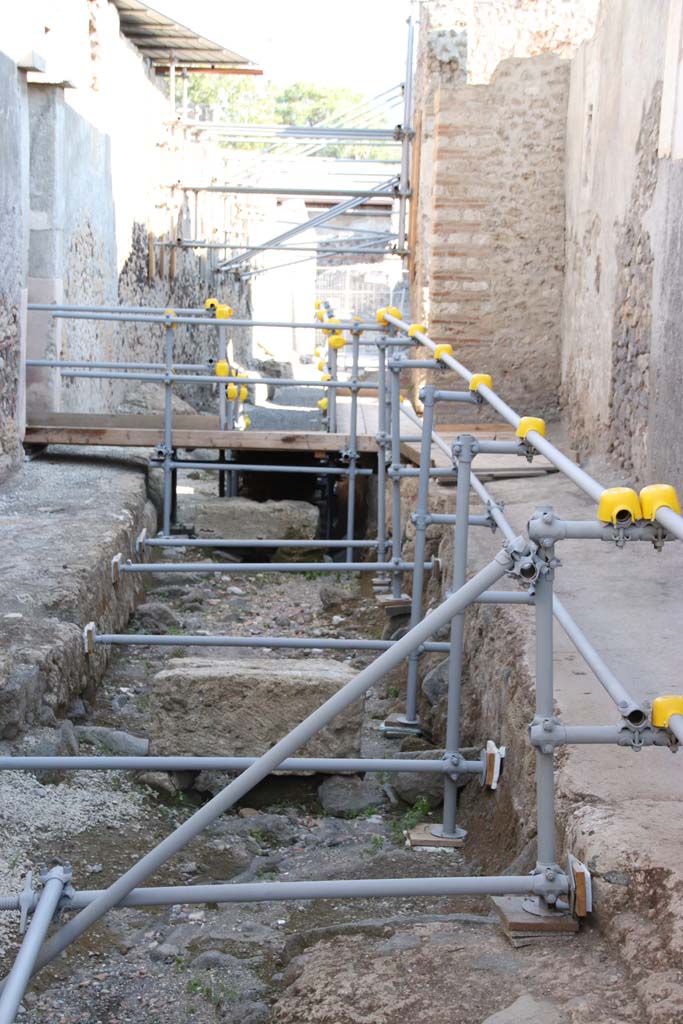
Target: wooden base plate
<point>422,835</point>
<point>523,928</point>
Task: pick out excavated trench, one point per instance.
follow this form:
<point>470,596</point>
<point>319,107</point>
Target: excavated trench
<point>333,962</point>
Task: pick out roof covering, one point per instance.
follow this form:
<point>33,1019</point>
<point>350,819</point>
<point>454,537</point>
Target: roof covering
<point>161,40</point>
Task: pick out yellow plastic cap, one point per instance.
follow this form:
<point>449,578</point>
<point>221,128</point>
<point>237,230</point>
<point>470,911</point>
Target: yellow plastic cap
<point>210,303</point>
<point>656,496</point>
<point>320,315</point>
<point>222,368</point>
<point>316,353</point>
<point>326,376</point>
<point>332,320</point>
<point>243,393</point>
<point>336,341</point>
<point>223,312</point>
<point>619,506</point>
<point>231,392</point>
<point>393,311</point>
<point>318,304</point>
<point>322,404</point>
<point>480,378</point>
<point>321,364</point>
<point>415,329</point>
<point>247,422</point>
<point>663,708</point>
<point>443,350</point>
<point>528,423</point>
<point>380,315</point>
<point>172,312</point>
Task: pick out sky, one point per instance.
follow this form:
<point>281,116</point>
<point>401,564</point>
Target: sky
<point>360,44</point>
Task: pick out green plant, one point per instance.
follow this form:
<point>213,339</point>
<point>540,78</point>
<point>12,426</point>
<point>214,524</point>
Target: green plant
<point>376,843</point>
<point>417,813</point>
<point>392,691</point>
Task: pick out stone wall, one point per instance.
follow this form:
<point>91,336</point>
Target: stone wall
<point>13,252</point>
<point>619,233</point>
<point>496,230</point>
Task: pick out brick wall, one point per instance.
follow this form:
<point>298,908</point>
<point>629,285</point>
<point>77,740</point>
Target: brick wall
<point>496,232</point>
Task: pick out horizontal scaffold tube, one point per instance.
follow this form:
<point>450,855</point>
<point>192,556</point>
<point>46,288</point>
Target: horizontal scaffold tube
<point>232,567</point>
<point>323,765</point>
<point>258,468</point>
<point>206,321</point>
<point>285,642</point>
<point>241,542</point>
<point>273,892</point>
<point>284,748</point>
<point>200,378</point>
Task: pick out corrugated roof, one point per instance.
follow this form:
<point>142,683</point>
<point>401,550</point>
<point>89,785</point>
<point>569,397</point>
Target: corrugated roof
<point>161,39</point>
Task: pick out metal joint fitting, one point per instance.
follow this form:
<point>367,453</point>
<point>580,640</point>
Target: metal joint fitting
<point>464,448</point>
<point>28,899</point>
<point>527,565</point>
<point>419,521</point>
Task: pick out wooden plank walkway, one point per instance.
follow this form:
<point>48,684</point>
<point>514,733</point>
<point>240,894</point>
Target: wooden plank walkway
<point>141,431</point>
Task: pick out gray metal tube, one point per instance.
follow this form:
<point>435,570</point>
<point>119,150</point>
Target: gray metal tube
<point>331,391</point>
<point>241,542</point>
<point>404,180</point>
<point>197,321</point>
<point>395,395</point>
<point>420,545</point>
<point>450,520</point>
<point>671,521</point>
<point>207,378</point>
<point>276,642</point>
<point>505,597</point>
<point>269,762</point>
<point>23,967</point>
<point>168,435</point>
<point>382,454</point>
<point>676,726</point>
<point>233,567</point>
<point>455,661</point>
<point>545,774</point>
<point>628,707</point>
<point>331,765</point>
<point>258,468</point>
<point>353,444</point>
<point>274,892</point>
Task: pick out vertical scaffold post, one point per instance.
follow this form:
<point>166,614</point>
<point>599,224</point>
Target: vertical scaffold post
<point>382,450</point>
<point>332,391</point>
<point>222,407</point>
<point>168,432</point>
<point>546,855</point>
<point>23,967</point>
<point>353,445</point>
<point>404,180</point>
<point>395,395</point>
<point>420,520</point>
<point>462,460</point>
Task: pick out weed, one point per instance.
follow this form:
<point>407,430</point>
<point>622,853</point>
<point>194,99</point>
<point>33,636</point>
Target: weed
<point>392,691</point>
<point>376,843</point>
<point>417,813</point>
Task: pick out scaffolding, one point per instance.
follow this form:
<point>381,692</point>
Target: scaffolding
<point>553,892</point>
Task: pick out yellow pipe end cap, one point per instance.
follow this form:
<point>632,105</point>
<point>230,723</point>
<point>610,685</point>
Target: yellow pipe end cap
<point>247,422</point>
<point>656,496</point>
<point>223,312</point>
<point>322,404</point>
<point>316,353</point>
<point>211,303</point>
<point>326,376</point>
<point>320,365</point>
<point>172,312</point>
<point>243,393</point>
<point>401,398</point>
<point>320,315</point>
<point>380,315</point>
<point>443,350</point>
<point>481,378</point>
<point>528,423</point>
<point>318,304</point>
<point>395,312</point>
<point>336,341</point>
<point>232,392</point>
<point>358,320</point>
<point>663,708</point>
<point>222,368</point>
<point>619,506</point>
<point>416,329</point>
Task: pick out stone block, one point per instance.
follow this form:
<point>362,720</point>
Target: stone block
<point>242,707</point>
<point>242,518</point>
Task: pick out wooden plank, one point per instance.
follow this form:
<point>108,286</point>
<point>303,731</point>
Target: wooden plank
<point>188,432</point>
